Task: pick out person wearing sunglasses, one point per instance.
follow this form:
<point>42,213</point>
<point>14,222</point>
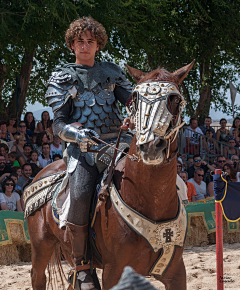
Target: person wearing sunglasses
<point>199,184</point>
<point>12,198</point>
<point>221,160</point>
<point>22,130</point>
<point>198,163</point>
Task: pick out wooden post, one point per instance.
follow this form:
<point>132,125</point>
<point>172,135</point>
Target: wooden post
<point>219,241</point>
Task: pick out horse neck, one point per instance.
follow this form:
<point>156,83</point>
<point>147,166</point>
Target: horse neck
<point>151,189</point>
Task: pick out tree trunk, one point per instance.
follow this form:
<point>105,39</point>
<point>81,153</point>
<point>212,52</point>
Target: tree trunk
<point>202,110</point>
<point>24,79</point>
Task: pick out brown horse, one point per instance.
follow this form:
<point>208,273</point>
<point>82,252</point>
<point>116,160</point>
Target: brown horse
<point>147,186</point>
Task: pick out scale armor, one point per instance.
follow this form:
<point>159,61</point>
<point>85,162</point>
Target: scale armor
<point>95,109</point>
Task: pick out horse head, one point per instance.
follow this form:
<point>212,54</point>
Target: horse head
<point>157,104</point>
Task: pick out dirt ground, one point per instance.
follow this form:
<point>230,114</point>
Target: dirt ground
<point>200,265</point>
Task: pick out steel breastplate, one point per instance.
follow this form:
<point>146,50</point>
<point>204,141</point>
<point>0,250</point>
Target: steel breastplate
<point>98,110</point>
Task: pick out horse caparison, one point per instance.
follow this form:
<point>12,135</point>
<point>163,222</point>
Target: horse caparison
<point>148,189</point>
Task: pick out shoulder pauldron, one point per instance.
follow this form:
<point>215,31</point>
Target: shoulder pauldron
<point>60,89</point>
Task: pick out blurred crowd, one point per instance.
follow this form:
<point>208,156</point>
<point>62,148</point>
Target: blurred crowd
<point>26,147</point>
<point>206,150</point>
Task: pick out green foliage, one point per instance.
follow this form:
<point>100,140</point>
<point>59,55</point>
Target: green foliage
<point>144,33</point>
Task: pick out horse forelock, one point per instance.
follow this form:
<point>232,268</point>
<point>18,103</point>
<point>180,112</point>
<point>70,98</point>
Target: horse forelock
<point>160,74</point>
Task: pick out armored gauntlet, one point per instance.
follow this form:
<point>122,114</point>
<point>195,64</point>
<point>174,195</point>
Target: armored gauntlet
<point>83,137</point>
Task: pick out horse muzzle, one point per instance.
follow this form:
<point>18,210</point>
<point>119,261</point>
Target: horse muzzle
<point>153,152</point>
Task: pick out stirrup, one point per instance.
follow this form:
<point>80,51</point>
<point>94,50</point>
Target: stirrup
<point>73,272</point>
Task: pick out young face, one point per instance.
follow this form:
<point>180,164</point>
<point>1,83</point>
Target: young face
<point>46,149</point>
<point>29,118</point>
<point>22,128</point>
<point>209,134</point>
<point>85,49</point>
<point>237,123</point>
<point>27,171</point>
<point>3,151</point>
<point>19,172</point>
<point>45,116</point>
<point>197,161</point>
<point>27,151</point>
<point>15,179</point>
<point>3,128</point>
<point>179,167</point>
<point>223,123</point>
<point>34,156</point>
<point>232,142</point>
<point>11,159</point>
<point>235,134</point>
<point>44,138</point>
<point>12,121</point>
<point>226,169</point>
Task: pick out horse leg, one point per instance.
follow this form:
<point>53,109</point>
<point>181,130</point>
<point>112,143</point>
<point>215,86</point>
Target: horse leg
<point>41,254</point>
<point>175,279</point>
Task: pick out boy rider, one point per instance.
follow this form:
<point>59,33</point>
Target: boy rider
<point>85,92</point>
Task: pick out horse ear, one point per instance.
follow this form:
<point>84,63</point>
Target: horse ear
<point>135,73</point>
<point>182,72</point>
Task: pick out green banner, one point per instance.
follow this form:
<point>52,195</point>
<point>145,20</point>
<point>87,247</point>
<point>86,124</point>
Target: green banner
<point>11,217</point>
<point>206,209</point>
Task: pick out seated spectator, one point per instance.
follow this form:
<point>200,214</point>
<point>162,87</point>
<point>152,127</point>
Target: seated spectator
<point>27,149</point>
<point>179,166</point>
<point>192,135</point>
<point>4,151</point>
<point>12,125</point>
<point>18,147</point>
<point>45,158</point>
<point>199,184</point>
<point>210,146</point>
<point>235,135</point>
<point>189,162</point>
<point>2,141</point>
<point>5,169</point>
<point>22,130</point>
<point>56,157</point>
<point>222,134</point>
<point>221,160</point>
<point>191,194</point>
<point>18,170</point>
<point>232,174</point>
<point>229,151</point>
<point>206,126</point>
<point>17,188</point>
<point>198,163</point>
<point>11,197</point>
<point>12,157</point>
<point>234,159</point>
<point>35,164</point>
<point>41,138</point>
<point>45,125</point>
<point>56,146</point>
<point>30,123</point>
<point>26,176</point>
<point>34,138</point>
<point>235,125</point>
<point>5,135</point>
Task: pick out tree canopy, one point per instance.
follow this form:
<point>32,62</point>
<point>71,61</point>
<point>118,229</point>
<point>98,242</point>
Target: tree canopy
<point>143,33</point>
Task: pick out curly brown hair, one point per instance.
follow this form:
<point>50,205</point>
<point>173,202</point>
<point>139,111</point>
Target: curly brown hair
<point>79,26</point>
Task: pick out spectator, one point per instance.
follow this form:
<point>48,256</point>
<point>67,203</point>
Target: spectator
<point>41,138</point>
<point>191,194</point>
<point>12,157</point>
<point>2,141</point>
<point>11,197</point>
<point>27,149</point>
<point>5,169</point>
<point>17,188</point>
<point>12,125</point>
<point>18,171</point>
<point>236,136</point>
<point>206,126</point>
<point>30,123</point>
<point>192,135</point>
<point>221,160</point>
<point>199,184</point>
<point>45,158</point>
<point>56,157</point>
<point>46,125</point>
<point>198,163</point>
<point>235,125</point>
<point>18,148</point>
<point>179,166</point>
<point>26,175</point>
<point>56,146</point>
<point>222,134</point>
<point>232,174</point>
<point>5,135</point>
<point>22,130</point>
<point>35,164</point>
<point>4,151</point>
<point>229,151</point>
<point>209,148</point>
<point>234,159</point>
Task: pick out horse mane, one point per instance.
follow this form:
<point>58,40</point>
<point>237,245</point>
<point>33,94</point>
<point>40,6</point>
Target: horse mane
<point>160,74</point>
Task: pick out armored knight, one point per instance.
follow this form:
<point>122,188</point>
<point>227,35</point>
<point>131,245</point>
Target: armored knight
<point>86,92</point>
